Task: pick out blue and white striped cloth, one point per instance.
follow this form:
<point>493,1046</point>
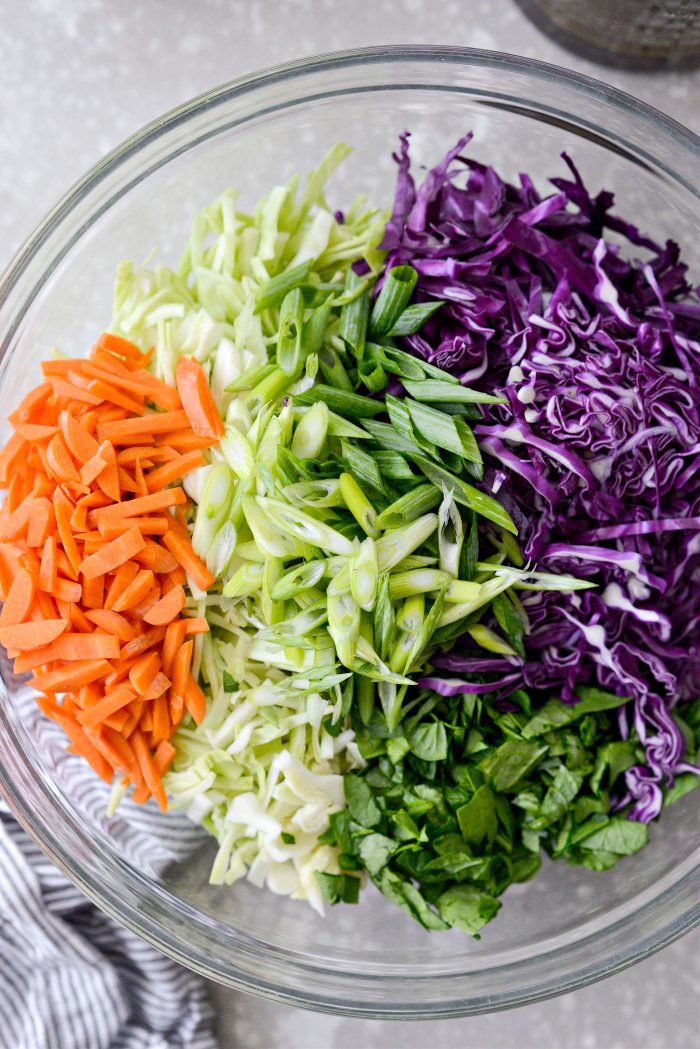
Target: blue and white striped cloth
<point>71,977</point>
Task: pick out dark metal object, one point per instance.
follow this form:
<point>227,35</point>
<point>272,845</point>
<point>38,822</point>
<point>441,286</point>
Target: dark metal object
<point>632,34</point>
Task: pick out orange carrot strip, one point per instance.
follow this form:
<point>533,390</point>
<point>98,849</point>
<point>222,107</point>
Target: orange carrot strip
<point>113,554</point>
<point>41,522</point>
<point>162,725</point>
<point>181,668</point>
<point>82,745</point>
<point>112,702</point>
<point>70,648</point>
<point>197,625</point>
<point>184,441</point>
<point>44,607</point>
<point>108,480</point>
<point>90,694</point>
<point>47,570</point>
<point>15,525</point>
<point>69,678</point>
<point>111,622</point>
<point>151,454</point>
<point>64,566</point>
<point>30,407</point>
<point>78,519</point>
<point>173,470</point>
<point>156,557</point>
<point>79,620</point>
<point>9,564</point>
<point>128,484</point>
<point>197,400</point>
<point>92,469</point>
<point>135,591</point>
<point>63,508</point>
<point>174,637</point>
<point>143,642</point>
<point>119,346</point>
<point>143,672</point>
<point>34,431</point>
<point>180,547</point>
<point>168,608</point>
<point>148,769</point>
<point>9,455</point>
<point>151,599</point>
<point>19,600</point>
<point>26,636</point>
<point>59,460</point>
<point>79,442</point>
<point>156,422</point>
<point>94,592</point>
<point>144,505</point>
<point>61,366</point>
<point>107,392</point>
<point>124,575</point>
<point>195,701</point>
<point>67,391</point>
<point>140,480</point>
<point>163,757</point>
<point>146,525</point>
<point>158,687</point>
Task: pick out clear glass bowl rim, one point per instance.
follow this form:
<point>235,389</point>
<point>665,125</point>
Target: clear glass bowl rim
<point>144,907</point>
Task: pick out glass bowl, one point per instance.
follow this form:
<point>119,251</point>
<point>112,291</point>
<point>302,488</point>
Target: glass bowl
<point>567,927</point>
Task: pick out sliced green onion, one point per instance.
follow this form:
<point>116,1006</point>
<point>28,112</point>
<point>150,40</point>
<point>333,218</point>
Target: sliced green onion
<point>417,581</point>
<point>389,439</point>
<point>364,575</point>
<point>450,535</point>
<point>300,578</point>
<point>490,640</point>
<point>414,317</point>
<point>448,391</point>
<point>269,390</point>
<point>362,465</point>
<point>273,611</point>
<point>466,494</point>
<point>341,401</point>
<point>320,494</point>
<point>392,466</point>
<point>454,612</point>
<point>394,546</point>
<point>384,618</point>
<point>394,361</point>
<point>300,525</point>
<point>354,316</point>
<point>291,326</point>
<point>219,554</point>
<point>213,507</point>
<point>358,504</point>
<point>250,378</point>
<point>372,375</point>
<point>461,590</point>
<point>442,430</point>
<point>269,539</point>
<point>368,662</point>
<point>409,506</point>
<point>238,453</point>
<point>392,300</point>
<point>298,626</point>
<point>250,551</point>
<point>339,427</point>
<point>425,632</point>
<point>315,327</point>
<point>365,688</point>
<point>333,369</point>
<point>416,561</point>
<point>310,434</point>
<point>246,581</point>
<point>411,613</point>
<point>278,287</point>
<point>343,622</point>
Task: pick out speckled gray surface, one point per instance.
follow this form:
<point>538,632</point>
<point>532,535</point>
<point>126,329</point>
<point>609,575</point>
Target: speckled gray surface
<point>77,77</point>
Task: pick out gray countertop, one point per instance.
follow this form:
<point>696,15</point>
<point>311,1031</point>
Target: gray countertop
<point>77,77</point>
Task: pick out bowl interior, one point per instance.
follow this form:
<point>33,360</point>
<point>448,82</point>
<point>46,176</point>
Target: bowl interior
<point>566,926</point>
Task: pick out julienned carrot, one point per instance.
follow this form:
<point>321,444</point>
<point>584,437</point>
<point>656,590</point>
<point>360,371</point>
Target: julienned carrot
<point>113,554</point>
<point>111,622</point>
<point>192,385</point>
<point>111,529</point>
<point>148,769</point>
<point>135,591</point>
<point>26,636</point>
<point>168,608</point>
<point>19,599</point>
<point>92,602</point>
<point>143,425</point>
<point>69,678</point>
<point>146,505</point>
<point>181,548</point>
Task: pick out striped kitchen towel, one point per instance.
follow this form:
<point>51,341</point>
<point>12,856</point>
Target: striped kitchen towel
<point>71,977</point>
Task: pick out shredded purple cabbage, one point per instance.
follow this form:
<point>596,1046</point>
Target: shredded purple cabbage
<point>598,448</point>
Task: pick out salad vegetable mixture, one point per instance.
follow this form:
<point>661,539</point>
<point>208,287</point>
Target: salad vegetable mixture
<point>372,541</point>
